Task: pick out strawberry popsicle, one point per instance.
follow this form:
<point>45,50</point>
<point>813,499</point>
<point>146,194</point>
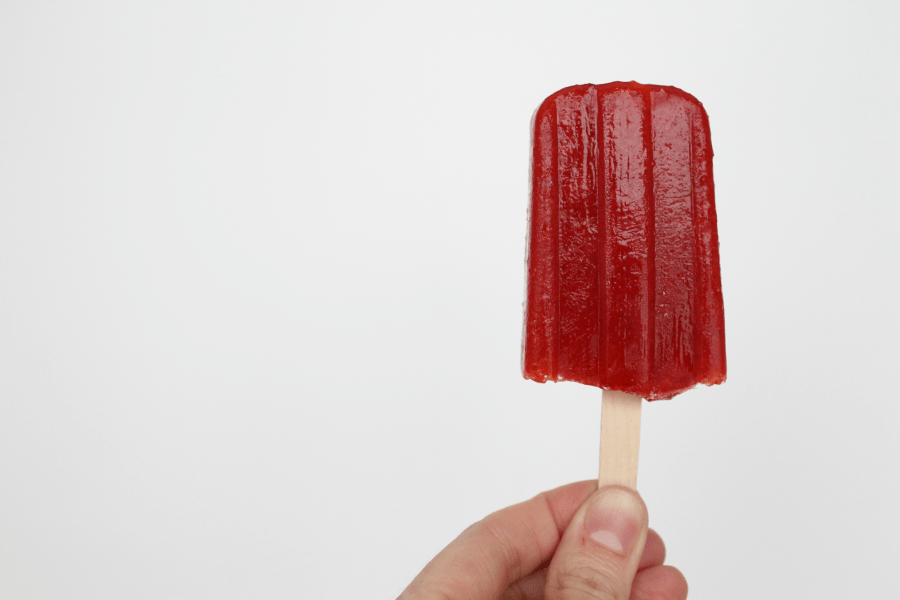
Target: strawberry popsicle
<point>623,290</point>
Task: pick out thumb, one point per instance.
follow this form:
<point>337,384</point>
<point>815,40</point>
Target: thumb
<point>601,548</point>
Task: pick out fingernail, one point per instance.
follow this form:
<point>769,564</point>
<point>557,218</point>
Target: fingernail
<point>613,519</point>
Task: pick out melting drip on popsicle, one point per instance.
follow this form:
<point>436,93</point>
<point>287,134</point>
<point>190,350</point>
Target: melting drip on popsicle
<point>624,291</point>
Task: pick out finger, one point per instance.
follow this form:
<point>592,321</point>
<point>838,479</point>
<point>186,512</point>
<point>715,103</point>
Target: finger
<point>599,553</point>
<point>659,583</point>
<point>654,551</point>
<point>502,548</point>
<point>530,587</point>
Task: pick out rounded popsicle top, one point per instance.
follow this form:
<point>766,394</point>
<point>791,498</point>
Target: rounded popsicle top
<point>643,88</point>
<point>647,90</point>
<point>624,291</point>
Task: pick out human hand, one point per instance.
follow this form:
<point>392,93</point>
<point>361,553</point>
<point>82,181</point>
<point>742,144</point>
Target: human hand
<point>572,543</point>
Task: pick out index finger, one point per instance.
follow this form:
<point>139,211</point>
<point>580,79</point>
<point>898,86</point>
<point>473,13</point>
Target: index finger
<point>501,548</point>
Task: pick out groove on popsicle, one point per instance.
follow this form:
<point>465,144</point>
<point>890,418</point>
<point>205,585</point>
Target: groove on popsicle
<point>650,199</point>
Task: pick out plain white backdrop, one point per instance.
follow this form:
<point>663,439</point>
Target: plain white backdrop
<point>261,276</point>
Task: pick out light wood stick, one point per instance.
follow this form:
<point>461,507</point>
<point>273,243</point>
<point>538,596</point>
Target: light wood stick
<point>620,438</point>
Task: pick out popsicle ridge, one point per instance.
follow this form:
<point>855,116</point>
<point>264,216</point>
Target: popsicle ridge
<point>623,278</point>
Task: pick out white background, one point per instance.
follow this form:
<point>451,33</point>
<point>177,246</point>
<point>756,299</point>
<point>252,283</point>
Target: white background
<point>261,275</point>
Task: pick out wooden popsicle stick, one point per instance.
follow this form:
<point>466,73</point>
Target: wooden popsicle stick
<point>620,438</point>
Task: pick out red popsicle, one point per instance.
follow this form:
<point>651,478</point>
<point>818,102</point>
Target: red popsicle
<point>624,291</point>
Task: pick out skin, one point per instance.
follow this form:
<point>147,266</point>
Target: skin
<point>539,550</point>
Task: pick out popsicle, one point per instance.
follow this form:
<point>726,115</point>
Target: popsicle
<point>623,291</point>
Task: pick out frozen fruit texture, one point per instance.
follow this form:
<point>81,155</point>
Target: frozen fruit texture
<point>624,291</point>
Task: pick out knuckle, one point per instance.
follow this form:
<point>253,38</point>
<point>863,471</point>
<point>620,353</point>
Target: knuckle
<point>432,593</point>
<point>514,592</point>
<point>494,528</point>
<point>583,582</point>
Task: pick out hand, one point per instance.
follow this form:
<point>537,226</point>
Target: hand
<point>572,543</point>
